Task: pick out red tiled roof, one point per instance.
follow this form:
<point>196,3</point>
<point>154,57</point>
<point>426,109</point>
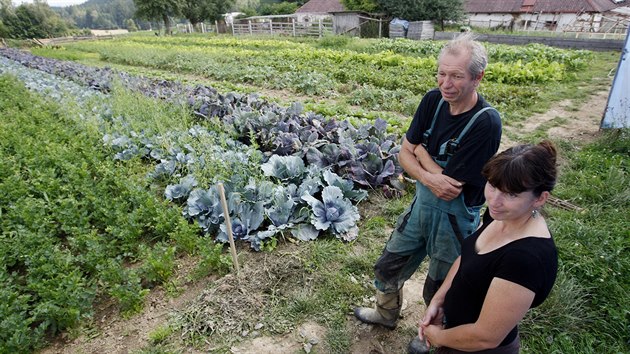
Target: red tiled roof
<point>492,6</point>
<point>519,6</point>
<point>321,6</point>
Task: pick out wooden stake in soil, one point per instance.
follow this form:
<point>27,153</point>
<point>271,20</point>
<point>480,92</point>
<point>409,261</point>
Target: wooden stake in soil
<point>228,225</point>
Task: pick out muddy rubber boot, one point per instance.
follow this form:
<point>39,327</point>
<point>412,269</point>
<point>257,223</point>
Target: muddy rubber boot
<point>417,346</point>
<point>386,311</point>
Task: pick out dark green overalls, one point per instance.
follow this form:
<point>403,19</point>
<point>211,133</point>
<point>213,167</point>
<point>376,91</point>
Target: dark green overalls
<point>430,226</point>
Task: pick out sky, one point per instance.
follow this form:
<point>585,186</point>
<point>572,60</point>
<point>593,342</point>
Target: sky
<point>53,2</point>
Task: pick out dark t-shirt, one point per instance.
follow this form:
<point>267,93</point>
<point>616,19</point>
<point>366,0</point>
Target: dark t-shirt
<point>531,262</point>
<point>479,144</point>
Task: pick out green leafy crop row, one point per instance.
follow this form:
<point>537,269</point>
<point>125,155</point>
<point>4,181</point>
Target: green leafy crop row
<point>380,75</point>
<point>72,220</point>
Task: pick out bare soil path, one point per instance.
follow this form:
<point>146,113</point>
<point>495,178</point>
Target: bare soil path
<point>562,121</point>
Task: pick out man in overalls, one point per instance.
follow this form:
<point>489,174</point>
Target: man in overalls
<point>453,133</point>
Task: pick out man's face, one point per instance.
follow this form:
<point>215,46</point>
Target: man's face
<point>454,80</point>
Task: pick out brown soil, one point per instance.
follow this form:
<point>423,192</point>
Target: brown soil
<point>215,312</point>
<point>562,122</point>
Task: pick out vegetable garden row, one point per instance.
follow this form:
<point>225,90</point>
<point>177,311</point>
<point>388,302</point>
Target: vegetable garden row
<point>271,191</point>
<point>383,75</point>
<point>123,168</point>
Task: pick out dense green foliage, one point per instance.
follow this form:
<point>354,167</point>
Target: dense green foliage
<point>101,14</point>
<point>197,11</point>
<point>361,5</point>
<point>160,10</point>
<point>375,75</point>
<point>72,222</point>
<point>280,8</point>
<point>438,11</point>
<point>194,10</point>
<point>36,20</point>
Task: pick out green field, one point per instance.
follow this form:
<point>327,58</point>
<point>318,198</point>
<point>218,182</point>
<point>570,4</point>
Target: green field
<point>81,229</point>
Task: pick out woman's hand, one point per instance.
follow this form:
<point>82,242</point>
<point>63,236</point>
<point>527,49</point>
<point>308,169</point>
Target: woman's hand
<point>433,316</point>
<point>430,334</point>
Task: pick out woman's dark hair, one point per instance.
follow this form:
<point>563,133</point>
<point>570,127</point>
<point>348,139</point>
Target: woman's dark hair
<point>523,168</point>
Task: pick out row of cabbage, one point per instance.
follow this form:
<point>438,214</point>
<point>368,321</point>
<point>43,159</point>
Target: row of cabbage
<point>307,166</point>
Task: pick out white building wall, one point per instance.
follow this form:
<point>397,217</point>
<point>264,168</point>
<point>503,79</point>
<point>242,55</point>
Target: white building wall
<point>489,20</point>
<point>539,21</point>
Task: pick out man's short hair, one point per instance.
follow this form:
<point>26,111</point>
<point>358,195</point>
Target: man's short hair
<point>465,42</point>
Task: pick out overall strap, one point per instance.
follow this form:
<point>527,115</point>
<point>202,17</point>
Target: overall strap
<point>427,134</point>
<point>471,122</point>
<point>449,147</point>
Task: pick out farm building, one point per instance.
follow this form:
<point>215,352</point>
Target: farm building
<point>348,22</point>
<point>112,32</point>
<point>358,23</point>
<point>555,15</point>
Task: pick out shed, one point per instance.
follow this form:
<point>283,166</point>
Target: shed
<point>352,22</point>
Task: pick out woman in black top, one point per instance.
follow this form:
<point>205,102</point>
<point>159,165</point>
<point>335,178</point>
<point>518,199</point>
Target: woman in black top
<point>507,267</point>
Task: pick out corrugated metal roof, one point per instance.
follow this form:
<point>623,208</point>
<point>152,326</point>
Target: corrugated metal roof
<point>555,6</point>
<point>321,6</point>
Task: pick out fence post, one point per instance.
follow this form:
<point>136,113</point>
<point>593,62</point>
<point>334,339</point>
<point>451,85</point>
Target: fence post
<point>293,26</point>
<point>249,23</point>
<point>320,27</point>
<point>380,28</point>
<point>270,26</point>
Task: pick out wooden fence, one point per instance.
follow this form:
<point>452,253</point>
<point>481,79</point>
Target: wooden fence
<point>293,28</point>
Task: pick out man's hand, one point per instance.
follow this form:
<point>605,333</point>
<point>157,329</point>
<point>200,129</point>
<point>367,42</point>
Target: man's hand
<point>420,166</point>
<point>442,186</point>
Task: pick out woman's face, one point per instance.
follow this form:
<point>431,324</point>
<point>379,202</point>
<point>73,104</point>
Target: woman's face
<point>509,206</point>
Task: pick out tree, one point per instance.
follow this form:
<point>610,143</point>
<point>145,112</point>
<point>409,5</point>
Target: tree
<point>6,5</point>
<point>98,14</point>
<point>361,5</point>
<point>280,8</point>
<point>36,20</point>
<point>239,5</point>
<point>441,11</point>
<point>159,10</point>
<point>6,10</point>
<point>438,11</point>
<point>405,9</point>
<point>130,25</point>
<point>197,11</point>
